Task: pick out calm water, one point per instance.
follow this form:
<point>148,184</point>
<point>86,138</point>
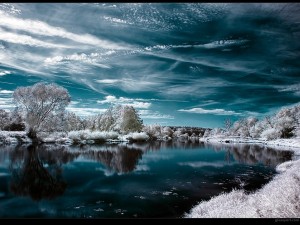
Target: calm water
<point>160,179</point>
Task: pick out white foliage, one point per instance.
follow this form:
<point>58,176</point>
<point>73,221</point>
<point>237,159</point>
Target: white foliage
<point>137,136</point>
<point>120,118</point>
<point>14,137</point>
<point>277,199</point>
<point>284,124</point>
<point>216,132</point>
<point>40,102</point>
<point>270,134</point>
<point>81,135</point>
<point>167,131</point>
<point>206,133</point>
<point>154,131</point>
<point>4,119</point>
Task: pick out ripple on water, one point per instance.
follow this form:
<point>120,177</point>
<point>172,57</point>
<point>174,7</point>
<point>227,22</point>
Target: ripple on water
<point>99,210</point>
<point>120,211</point>
<point>140,197</point>
<point>4,174</point>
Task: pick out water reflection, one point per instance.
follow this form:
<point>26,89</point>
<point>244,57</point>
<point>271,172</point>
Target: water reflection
<point>252,154</point>
<point>120,160</point>
<point>37,171</point>
<point>31,178</point>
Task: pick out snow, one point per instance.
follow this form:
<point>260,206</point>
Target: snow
<point>136,136</point>
<point>73,137</point>
<point>13,137</point>
<point>280,198</point>
<point>292,144</point>
<point>86,135</point>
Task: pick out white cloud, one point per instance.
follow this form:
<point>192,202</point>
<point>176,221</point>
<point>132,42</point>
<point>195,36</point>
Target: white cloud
<point>116,20</point>
<point>10,8</point>
<point>5,72</point>
<point>26,40</point>
<point>41,28</point>
<point>6,92</point>
<point>140,105</point>
<point>131,84</point>
<point>110,99</point>
<point>74,102</point>
<point>108,81</point>
<point>6,103</point>
<point>295,88</point>
<point>214,44</point>
<point>223,43</point>
<point>149,114</point>
<point>86,58</point>
<point>221,112</point>
<point>84,112</point>
<point>138,85</point>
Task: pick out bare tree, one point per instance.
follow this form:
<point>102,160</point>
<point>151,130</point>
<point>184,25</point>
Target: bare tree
<point>228,124</point>
<point>269,121</point>
<point>38,102</point>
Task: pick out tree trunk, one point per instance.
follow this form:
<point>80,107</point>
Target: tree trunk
<point>32,135</point>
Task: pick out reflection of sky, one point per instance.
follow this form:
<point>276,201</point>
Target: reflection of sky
<point>199,164</point>
<point>178,64</point>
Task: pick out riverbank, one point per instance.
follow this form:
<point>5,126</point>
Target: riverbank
<point>280,198</point>
<point>73,137</point>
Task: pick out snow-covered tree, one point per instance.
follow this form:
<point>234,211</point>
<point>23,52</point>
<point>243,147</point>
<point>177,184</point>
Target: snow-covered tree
<point>120,118</point>
<point>167,131</point>
<point>11,121</point>
<point>206,133</point>
<point>130,120</point>
<point>244,126</point>
<point>227,125</point>
<point>287,121</point>
<point>71,122</point>
<point>106,120</point>
<point>216,132</point>
<point>39,102</point>
<point>4,119</point>
<point>154,131</point>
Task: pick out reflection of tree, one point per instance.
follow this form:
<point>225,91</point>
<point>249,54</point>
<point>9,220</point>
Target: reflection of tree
<point>30,177</point>
<point>172,144</point>
<point>252,154</point>
<point>121,159</point>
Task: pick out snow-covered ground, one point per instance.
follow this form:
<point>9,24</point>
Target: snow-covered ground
<point>280,198</point>
<point>13,137</point>
<point>73,137</point>
<point>292,144</point>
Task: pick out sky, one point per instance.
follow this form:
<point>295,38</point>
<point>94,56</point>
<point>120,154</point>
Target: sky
<point>182,64</point>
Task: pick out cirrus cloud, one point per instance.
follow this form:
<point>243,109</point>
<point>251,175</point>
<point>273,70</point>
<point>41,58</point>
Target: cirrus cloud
<point>220,112</point>
<point>110,99</point>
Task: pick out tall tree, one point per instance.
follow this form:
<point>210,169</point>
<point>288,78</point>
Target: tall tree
<point>38,103</point>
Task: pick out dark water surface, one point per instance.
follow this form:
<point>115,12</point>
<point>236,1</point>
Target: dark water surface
<point>150,180</point>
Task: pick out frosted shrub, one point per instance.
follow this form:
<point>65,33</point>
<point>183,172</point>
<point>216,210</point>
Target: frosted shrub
<point>176,133</point>
<point>154,131</point>
<point>270,134</point>
<point>216,132</point>
<point>206,133</point>
<point>87,135</point>
<point>167,131</point>
<point>142,136</point>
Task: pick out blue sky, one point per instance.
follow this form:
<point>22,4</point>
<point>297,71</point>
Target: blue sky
<point>181,64</point>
